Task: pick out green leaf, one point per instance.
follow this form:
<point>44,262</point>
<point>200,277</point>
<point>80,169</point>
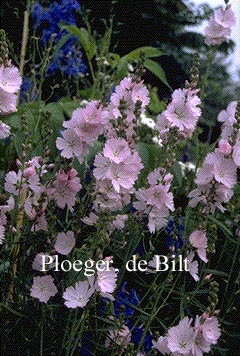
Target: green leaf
<point>224,228</point>
<point>157,70</point>
<point>156,105</point>
<point>105,42</point>
<point>87,41</point>
<point>62,42</point>
<point>148,51</point>
<point>68,106</point>
<point>177,171</point>
<point>143,152</point>
<point>216,272</point>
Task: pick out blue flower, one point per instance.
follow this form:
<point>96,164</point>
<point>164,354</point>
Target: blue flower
<point>136,335</point>
<point>69,59</point>
<point>48,22</point>
<point>178,229</point>
<point>28,92</point>
<point>87,344</point>
<point>127,300</point>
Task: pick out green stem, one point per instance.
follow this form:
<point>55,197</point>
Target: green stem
<point>24,43</point>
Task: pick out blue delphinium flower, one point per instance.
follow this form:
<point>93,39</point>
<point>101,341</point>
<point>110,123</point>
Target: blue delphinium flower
<point>127,300</point>
<point>87,344</point>
<point>48,22</point>
<point>136,335</point>
<point>28,93</point>
<point>50,19</point>
<point>177,231</point>
<point>69,59</point>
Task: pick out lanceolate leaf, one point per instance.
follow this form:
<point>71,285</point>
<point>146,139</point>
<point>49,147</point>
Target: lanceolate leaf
<point>157,70</point>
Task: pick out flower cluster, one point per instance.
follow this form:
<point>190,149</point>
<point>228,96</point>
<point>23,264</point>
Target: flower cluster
<point>185,339</point>
<point>117,165</point>
<point>218,175</point>
<point>104,282</point>
<point>82,130</point>
<point>218,29</point>
<point>127,104</point>
<point>156,201</point>
<point>29,182</point>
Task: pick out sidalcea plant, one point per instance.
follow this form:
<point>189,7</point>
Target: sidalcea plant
<point>94,240</point>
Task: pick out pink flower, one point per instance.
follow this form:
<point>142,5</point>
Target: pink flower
<point>8,206</point>
<point>4,129</point>
<point>225,18</point>
<point>107,280</point>
<point>102,166</point>
<point>10,80</point>
<point>218,29</point>
<point>89,122</point>
<point>38,262</point>
<point>200,345</point>
<point>227,117</point>
<point>66,185</point>
<point>12,182</point>
<point>106,196</point>
<point>210,330</point>
<point>79,295</point>
<point>117,150</point>
<point>181,337</point>
<point>162,345</point>
<point>236,152</point>
<point>163,125</point>
<point>118,222</point>
<point>215,33</point>
<point>8,102</point>
<point>121,175</point>
<point>219,167</point>
<point>224,147</point>
<point>140,94</point>
<point>91,219</point>
<point>156,201</point>
<point>224,169</point>
<point>183,111</point>
<point>71,145</point>
<point>198,240</point>
<point>43,288</point>
<point>157,219</point>
<point>121,337</point>
<point>40,223</point>
<point>192,266</point>
<point>65,242</point>
<point>158,196</point>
